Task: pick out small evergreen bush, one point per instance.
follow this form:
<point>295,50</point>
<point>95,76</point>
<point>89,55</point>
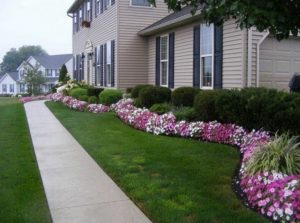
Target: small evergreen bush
<point>93,100</point>
<point>92,91</point>
<point>110,96</point>
<point>83,98</point>
<point>136,90</point>
<point>184,96</point>
<point>76,92</point>
<point>205,105</point>
<point>161,108</point>
<point>151,95</point>
<point>185,113</point>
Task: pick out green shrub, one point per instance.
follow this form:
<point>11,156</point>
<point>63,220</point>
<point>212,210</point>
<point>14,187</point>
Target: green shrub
<point>280,155</point>
<point>110,96</point>
<point>184,96</point>
<point>93,100</point>
<point>185,113</point>
<point>129,90</point>
<point>83,98</point>
<point>151,95</point>
<point>136,90</point>
<point>205,105</point>
<point>76,92</point>
<point>137,103</point>
<point>65,92</point>
<point>92,91</point>
<point>160,108</point>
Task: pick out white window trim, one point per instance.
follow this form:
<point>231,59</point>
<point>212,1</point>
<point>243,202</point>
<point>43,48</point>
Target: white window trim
<point>108,62</point>
<point>140,6</point>
<point>212,65</point>
<point>98,5</point>
<point>165,60</point>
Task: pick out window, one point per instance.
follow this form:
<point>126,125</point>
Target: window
<point>22,72</point>
<point>80,16</point>
<point>206,55</point>
<point>4,88</point>
<point>144,3</point>
<point>75,22</point>
<point>98,7</point>
<point>88,10</point>
<point>98,64</point>
<point>164,55</point>
<point>53,73</point>
<point>11,88</point>
<point>108,64</point>
<point>56,73</point>
<point>22,88</point>
<point>48,72</point>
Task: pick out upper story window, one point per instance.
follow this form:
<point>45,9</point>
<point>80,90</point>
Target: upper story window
<point>88,10</point>
<point>80,15</point>
<point>4,88</point>
<point>164,60</point>
<point>108,64</point>
<point>143,3</point>
<point>206,55</point>
<point>11,88</point>
<point>48,73</point>
<point>98,7</point>
<point>21,72</point>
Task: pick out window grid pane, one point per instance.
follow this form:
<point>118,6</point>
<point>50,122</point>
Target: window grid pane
<point>140,3</point>
<point>206,39</point>
<point>164,48</point>
<point>164,73</point>
<point>206,71</point>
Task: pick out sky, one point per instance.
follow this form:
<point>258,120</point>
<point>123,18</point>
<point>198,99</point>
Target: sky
<point>35,22</point>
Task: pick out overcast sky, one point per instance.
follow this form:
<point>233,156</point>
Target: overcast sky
<point>35,22</point>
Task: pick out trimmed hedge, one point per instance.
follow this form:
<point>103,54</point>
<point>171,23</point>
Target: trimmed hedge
<point>93,100</point>
<point>110,96</point>
<point>151,95</point>
<point>83,98</point>
<point>161,108</point>
<point>252,108</point>
<point>136,90</point>
<point>76,92</point>
<point>184,96</point>
<point>91,91</point>
<point>185,113</point>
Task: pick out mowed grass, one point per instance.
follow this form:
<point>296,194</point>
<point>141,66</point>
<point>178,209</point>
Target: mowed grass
<point>22,198</point>
<point>172,180</point>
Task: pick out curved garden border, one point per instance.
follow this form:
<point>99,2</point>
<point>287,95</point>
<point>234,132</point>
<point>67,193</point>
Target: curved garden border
<point>271,194</point>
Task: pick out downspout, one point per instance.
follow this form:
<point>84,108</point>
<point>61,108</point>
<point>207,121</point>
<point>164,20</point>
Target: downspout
<point>249,69</point>
<point>257,56</point>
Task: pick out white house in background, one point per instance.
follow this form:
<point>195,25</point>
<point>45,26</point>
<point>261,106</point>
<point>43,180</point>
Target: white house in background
<point>8,83</point>
<point>49,66</point>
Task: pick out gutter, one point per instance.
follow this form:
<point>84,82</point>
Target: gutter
<point>257,56</point>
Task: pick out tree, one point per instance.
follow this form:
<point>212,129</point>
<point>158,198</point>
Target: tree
<point>280,17</point>
<point>63,75</point>
<point>34,79</point>
<point>13,58</point>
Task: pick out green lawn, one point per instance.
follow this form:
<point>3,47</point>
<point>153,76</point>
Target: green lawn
<point>22,198</point>
<point>171,179</point>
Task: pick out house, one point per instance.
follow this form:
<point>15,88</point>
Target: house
<point>8,83</point>
<point>150,45</point>
<point>49,66</point>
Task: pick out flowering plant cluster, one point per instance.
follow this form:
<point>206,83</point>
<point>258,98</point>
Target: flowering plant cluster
<point>33,98</point>
<point>273,194</point>
<point>98,108</point>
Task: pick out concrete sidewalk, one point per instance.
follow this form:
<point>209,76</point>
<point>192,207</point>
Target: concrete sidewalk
<point>77,189</point>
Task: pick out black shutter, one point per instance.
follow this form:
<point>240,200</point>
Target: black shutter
<point>196,59</point>
<point>113,2</point>
<point>101,65</point>
<point>91,8</point>
<point>95,63</point>
<point>218,54</point>
<point>157,62</point>
<point>77,15</point>
<point>82,61</point>
<point>96,8</point>
<point>77,67</point>
<point>74,67</point>
<point>112,63</point>
<point>171,59</point>
<point>105,4</point>
<point>101,5</point>
<point>105,64</point>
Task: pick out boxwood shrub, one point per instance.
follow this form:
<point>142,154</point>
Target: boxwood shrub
<point>92,91</point>
<point>161,108</point>
<point>93,100</point>
<point>83,98</point>
<point>185,113</point>
<point>136,90</point>
<point>110,96</point>
<point>184,96</point>
<point>151,95</point>
<point>76,92</point>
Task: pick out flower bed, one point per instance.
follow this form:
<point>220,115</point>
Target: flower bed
<point>33,98</point>
<point>272,194</point>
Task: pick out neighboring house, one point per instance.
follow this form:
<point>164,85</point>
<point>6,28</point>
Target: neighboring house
<point>149,45</point>
<point>49,66</point>
<point>8,83</point>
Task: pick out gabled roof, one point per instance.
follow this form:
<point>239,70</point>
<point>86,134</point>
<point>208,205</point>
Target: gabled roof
<point>75,6</point>
<point>173,20</point>
<point>53,61</point>
<point>14,75</point>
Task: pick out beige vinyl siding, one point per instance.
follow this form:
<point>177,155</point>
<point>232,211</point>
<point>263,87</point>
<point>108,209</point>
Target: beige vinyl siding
<point>103,28</point>
<point>132,50</point>
<point>234,56</point>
